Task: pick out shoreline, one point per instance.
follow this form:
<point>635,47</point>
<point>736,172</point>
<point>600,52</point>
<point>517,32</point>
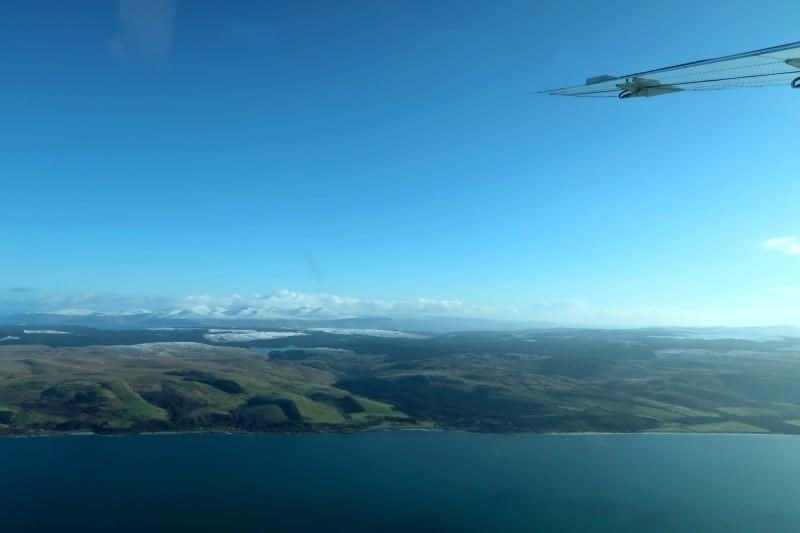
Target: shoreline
<point>234,433</point>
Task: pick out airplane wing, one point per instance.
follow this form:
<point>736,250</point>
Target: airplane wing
<point>770,66</point>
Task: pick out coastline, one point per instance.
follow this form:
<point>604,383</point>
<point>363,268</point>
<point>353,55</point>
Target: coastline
<point>233,433</point>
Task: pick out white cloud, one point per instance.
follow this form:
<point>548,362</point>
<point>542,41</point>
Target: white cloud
<point>789,245</point>
<point>276,304</point>
<point>77,303</point>
<point>285,303</point>
<point>774,307</point>
<point>577,313</point>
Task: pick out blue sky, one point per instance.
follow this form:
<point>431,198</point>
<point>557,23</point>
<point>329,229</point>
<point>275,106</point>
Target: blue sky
<point>395,152</point>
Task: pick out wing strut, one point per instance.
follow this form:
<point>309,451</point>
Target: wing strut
<point>795,62</point>
<point>770,66</point>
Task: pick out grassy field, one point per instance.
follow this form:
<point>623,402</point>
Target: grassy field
<point>173,388</point>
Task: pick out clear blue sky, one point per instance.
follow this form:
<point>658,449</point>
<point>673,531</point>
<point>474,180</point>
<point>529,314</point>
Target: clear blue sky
<point>396,150</point>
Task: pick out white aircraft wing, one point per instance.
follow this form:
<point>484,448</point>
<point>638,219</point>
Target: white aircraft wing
<point>771,66</point>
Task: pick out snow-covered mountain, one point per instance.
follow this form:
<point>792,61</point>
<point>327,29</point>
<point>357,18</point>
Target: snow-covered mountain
<point>303,318</point>
<point>278,308</point>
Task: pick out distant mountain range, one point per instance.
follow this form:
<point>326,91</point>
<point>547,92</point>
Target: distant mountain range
<point>301,318</point>
<point>307,317</point>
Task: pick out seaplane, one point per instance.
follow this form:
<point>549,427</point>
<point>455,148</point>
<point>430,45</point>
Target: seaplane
<point>771,66</point>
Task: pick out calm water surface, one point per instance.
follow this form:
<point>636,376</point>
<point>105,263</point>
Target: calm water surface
<point>401,481</point>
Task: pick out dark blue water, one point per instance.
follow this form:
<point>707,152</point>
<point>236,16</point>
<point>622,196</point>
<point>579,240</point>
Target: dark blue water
<point>406,481</point>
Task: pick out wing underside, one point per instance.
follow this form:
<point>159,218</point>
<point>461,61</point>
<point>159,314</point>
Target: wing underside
<point>772,66</point>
